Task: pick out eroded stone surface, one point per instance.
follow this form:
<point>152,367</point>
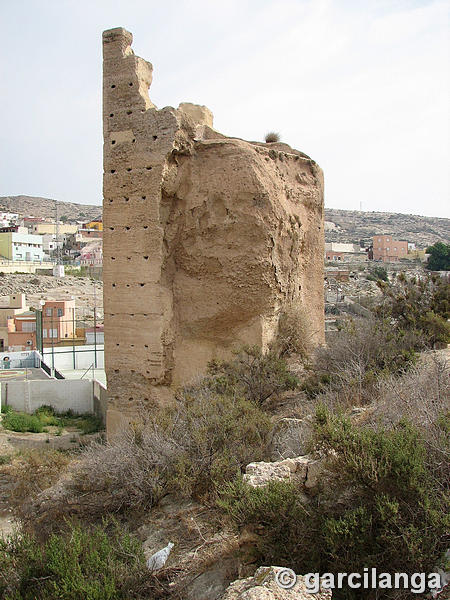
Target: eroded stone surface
<point>263,586</point>
<point>207,239</point>
<point>305,470</point>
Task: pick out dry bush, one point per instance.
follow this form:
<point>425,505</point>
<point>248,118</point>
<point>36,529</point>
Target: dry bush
<point>421,397</point>
<point>294,334</point>
<point>130,472</point>
<point>218,436</point>
<point>353,361</point>
<point>252,374</point>
<point>34,470</point>
<point>188,449</point>
<point>271,137</point>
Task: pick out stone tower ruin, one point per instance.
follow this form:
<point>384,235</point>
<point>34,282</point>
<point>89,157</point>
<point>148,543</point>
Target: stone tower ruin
<point>207,239</point>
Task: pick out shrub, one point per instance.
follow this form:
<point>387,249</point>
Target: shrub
<point>21,422</point>
<point>252,374</point>
<point>420,396</point>
<point>187,449</point>
<point>439,259</point>
<point>376,273</point>
<point>377,507</point>
<point>103,563</point>
<point>363,351</point>
<point>418,306</point>
<point>272,136</point>
<point>294,336</point>
<point>45,416</point>
<point>5,459</point>
<point>34,470</point>
<point>218,436</point>
<point>287,529</point>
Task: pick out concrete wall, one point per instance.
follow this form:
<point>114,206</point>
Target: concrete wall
<point>100,401</point>
<point>20,360</point>
<point>9,266</point>
<point>63,394</point>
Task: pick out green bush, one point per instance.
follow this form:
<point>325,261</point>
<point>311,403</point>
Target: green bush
<point>376,273</point>
<point>21,422</point>
<point>218,436</point>
<point>418,306</point>
<point>45,416</point>
<point>252,374</point>
<point>363,351</point>
<point>189,449</point>
<point>379,506</point>
<point>439,259</point>
<point>103,563</point>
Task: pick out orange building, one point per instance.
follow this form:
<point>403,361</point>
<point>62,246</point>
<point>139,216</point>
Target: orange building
<point>387,249</point>
<point>58,321</point>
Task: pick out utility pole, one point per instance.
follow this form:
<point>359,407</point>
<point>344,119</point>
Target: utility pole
<point>53,341</point>
<point>73,332</point>
<point>95,325</point>
<point>57,262</point>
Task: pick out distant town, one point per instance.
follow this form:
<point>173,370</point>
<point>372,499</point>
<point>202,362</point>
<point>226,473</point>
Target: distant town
<point>46,246</point>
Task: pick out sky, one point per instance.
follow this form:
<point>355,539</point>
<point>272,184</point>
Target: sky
<point>360,86</point>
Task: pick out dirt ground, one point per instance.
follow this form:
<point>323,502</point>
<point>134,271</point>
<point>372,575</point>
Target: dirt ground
<point>12,442</point>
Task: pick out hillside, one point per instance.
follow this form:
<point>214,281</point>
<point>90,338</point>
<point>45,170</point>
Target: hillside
<point>35,206</point>
<point>341,225</point>
<point>353,225</point>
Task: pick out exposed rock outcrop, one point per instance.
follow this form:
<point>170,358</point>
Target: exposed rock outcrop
<point>207,239</point>
<point>264,586</point>
<point>305,470</point>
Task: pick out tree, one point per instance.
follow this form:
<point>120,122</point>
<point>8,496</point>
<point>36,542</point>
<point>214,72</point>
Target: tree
<point>439,259</point>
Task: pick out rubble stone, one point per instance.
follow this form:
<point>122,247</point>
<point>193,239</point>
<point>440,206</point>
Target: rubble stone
<point>264,586</point>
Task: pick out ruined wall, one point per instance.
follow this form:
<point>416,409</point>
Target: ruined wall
<point>207,239</point>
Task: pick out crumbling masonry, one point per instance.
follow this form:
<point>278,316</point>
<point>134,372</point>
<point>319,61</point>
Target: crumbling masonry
<point>207,239</point>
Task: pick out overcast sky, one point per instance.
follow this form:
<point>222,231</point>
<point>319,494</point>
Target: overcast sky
<point>362,86</point>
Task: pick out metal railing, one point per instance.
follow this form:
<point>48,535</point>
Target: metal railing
<point>91,366</point>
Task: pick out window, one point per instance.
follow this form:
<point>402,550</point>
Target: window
<point>49,312</point>
<point>29,326</point>
<point>60,312</point>
<point>44,333</point>
<point>52,333</point>
<point>387,248</point>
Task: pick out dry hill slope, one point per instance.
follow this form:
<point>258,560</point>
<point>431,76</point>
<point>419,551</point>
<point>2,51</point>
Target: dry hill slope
<point>351,225</point>
<point>35,206</point>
